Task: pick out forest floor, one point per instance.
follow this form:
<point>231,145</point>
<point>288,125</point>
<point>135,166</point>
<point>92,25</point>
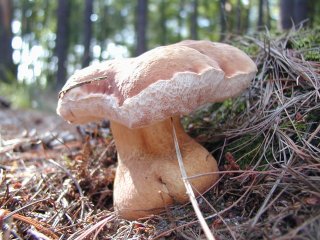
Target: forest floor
<point>56,179</point>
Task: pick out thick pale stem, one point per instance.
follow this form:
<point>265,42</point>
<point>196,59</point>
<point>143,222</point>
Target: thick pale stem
<point>148,176</point>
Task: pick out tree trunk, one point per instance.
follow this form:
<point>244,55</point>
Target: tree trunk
<point>238,30</point>
<point>163,22</point>
<point>180,20</point>
<point>7,67</point>
<point>260,16</point>
<point>313,13</point>
<point>300,11</point>
<point>102,36</point>
<point>62,41</point>
<point>141,26</point>
<point>87,33</point>
<point>286,13</point>
<point>246,22</point>
<point>194,21</point>
<point>293,12</point>
<point>223,20</point>
<point>268,14</point>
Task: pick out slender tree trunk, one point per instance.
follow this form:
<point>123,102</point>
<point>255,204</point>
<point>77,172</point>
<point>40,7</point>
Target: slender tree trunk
<point>141,26</point>
<point>246,24</point>
<point>268,14</point>
<point>194,20</point>
<point>209,15</point>
<point>223,20</point>
<point>62,41</point>
<point>180,20</point>
<point>102,36</point>
<point>238,30</point>
<point>163,22</point>
<point>300,11</point>
<point>7,67</point>
<point>293,12</point>
<point>286,13</point>
<point>260,16</point>
<point>87,32</point>
<point>313,10</point>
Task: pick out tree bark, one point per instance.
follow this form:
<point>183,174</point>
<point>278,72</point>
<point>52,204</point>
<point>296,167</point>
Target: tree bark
<point>163,22</point>
<point>286,13</point>
<point>293,12</point>
<point>141,26</point>
<point>260,16</point>
<point>87,33</point>
<point>180,20</point>
<point>62,41</point>
<point>223,20</point>
<point>300,11</point>
<point>238,24</point>
<point>194,21</point>
<point>267,4</point>
<point>246,23</point>
<point>7,67</point>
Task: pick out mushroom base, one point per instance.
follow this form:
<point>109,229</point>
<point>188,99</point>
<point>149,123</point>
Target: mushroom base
<point>148,177</point>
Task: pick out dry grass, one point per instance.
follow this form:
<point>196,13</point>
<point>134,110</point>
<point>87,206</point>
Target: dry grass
<point>266,142</point>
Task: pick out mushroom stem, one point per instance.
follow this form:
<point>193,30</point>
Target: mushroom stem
<point>148,177</point>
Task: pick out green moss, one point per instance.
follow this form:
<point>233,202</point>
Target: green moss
<point>251,50</point>
<point>301,126</point>
<point>313,116</point>
<point>17,94</point>
<point>247,150</point>
<point>307,43</point>
<point>29,96</point>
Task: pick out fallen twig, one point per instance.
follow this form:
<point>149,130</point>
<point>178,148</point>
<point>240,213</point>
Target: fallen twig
<point>188,186</point>
<point>38,225</point>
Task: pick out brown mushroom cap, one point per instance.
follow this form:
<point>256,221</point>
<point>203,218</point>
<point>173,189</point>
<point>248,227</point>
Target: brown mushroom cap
<point>163,82</point>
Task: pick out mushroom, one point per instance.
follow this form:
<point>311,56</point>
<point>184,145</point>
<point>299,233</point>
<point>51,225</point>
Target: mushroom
<point>143,97</point>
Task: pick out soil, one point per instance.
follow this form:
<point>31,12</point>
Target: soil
<point>20,123</point>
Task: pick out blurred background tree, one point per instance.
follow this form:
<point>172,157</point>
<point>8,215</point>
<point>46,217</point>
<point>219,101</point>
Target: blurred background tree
<point>62,42</point>
<point>7,67</point>
<point>87,32</point>
<point>293,12</point>
<point>43,42</point>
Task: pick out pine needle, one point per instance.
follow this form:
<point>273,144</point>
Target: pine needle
<point>188,187</point>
